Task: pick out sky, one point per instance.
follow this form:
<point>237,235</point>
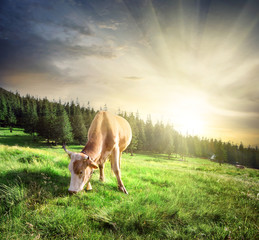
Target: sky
<point>191,63</point>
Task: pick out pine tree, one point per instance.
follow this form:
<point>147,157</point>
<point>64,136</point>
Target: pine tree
<point>168,141</point>
<point>63,131</point>
<point>134,141</point>
<point>67,108</point>
<point>158,133</point>
<point>78,126</point>
<point>197,147</point>
<point>52,120</point>
<point>149,134</point>
<point>141,134</point>
<point>183,148</point>
<point>43,122</point>
<point>72,109</point>
<point>220,152</point>
<point>18,110</point>
<point>10,117</point>
<point>3,109</point>
<point>30,117</point>
<point>88,118</point>
<point>190,144</point>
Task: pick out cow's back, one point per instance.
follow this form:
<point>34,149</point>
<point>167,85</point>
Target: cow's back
<point>110,130</point>
<point>125,133</point>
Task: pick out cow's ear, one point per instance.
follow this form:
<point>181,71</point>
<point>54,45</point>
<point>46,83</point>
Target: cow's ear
<point>92,164</point>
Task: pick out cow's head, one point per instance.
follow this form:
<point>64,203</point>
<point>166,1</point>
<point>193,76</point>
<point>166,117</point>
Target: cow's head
<point>81,168</point>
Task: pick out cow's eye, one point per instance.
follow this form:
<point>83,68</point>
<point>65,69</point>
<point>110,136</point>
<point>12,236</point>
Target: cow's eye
<point>81,172</point>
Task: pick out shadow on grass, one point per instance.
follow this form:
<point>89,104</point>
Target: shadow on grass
<point>43,185</point>
<point>27,141</point>
<point>22,141</point>
<point>14,139</point>
<point>105,186</point>
<point>40,185</point>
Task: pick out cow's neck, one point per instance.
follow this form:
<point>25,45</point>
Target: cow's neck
<point>93,149</point>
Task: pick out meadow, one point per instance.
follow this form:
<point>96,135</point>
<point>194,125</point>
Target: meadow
<point>168,199</point>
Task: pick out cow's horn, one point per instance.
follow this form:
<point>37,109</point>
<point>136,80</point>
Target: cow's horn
<point>68,152</point>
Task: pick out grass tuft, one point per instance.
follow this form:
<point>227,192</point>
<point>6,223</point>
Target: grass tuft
<point>11,195</point>
<point>104,218</point>
<point>31,159</point>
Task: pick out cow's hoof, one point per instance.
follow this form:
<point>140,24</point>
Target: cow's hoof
<point>123,189</point>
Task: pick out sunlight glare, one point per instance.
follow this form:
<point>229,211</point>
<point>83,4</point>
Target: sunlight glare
<point>190,116</point>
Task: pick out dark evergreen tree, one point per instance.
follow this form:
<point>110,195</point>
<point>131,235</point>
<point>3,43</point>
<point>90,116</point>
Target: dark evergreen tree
<point>3,109</point>
<point>220,153</point>
<point>63,132</point>
<point>44,120</point>
<point>10,118</point>
<point>30,117</point>
<point>88,118</point>
<point>78,126</point>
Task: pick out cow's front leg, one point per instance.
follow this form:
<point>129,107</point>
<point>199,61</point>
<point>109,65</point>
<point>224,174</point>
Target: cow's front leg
<point>115,162</point>
<point>101,167</point>
<point>89,186</point>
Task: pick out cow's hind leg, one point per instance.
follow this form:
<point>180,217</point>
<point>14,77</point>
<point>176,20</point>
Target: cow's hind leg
<point>115,163</point>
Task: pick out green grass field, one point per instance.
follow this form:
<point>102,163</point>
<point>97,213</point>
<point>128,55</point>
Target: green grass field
<point>168,199</point>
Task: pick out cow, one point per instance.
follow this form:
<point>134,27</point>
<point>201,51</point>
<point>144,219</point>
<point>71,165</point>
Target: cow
<point>108,136</point>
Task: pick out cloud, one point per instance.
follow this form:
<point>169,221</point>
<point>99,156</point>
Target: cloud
<point>112,26</point>
<point>93,50</point>
<point>133,78</point>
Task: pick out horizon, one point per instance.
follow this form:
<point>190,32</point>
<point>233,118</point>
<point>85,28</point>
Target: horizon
<point>193,64</point>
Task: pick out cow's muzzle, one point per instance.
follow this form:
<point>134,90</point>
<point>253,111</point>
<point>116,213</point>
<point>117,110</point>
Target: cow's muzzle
<point>72,192</point>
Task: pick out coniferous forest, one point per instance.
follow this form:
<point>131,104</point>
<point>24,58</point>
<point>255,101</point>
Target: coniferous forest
<point>59,123</point>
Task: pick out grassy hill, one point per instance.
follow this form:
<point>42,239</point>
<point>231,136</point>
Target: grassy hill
<point>168,199</point>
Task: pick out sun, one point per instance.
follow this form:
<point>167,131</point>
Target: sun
<point>191,124</point>
<point>189,116</point>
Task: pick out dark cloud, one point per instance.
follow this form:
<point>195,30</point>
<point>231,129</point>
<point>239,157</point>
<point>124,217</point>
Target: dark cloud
<point>237,122</point>
<point>82,29</point>
<point>25,47</point>
<point>242,95</point>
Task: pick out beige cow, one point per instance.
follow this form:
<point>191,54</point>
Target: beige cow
<point>108,135</point>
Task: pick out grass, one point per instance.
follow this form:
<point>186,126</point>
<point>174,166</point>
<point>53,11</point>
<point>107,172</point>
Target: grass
<point>168,199</point>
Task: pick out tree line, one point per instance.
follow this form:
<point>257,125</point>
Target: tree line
<point>58,122</point>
